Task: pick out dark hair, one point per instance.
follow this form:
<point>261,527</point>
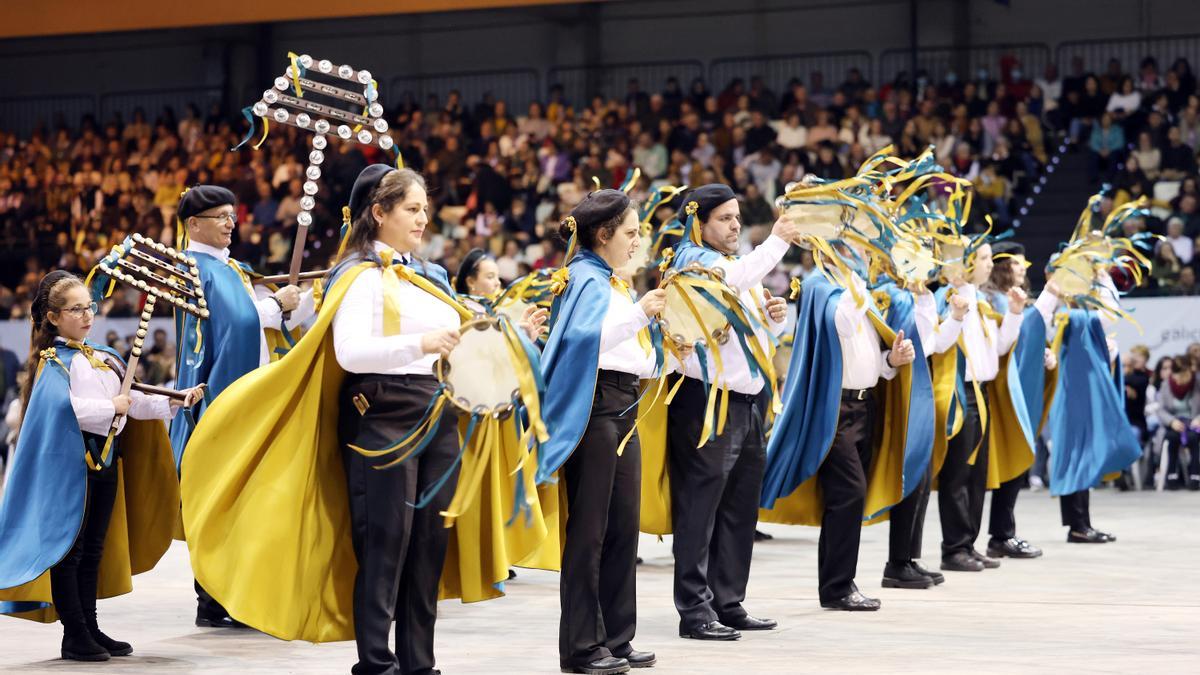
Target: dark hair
<point>49,298</point>
<point>1181,363</point>
<point>600,211</point>
<point>469,269</point>
<point>390,191</point>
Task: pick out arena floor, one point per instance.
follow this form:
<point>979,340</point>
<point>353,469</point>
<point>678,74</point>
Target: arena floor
<point>1115,608</point>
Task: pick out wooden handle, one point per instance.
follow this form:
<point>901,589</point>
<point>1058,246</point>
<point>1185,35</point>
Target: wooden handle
<point>135,353</point>
<point>281,278</point>
<point>172,394</point>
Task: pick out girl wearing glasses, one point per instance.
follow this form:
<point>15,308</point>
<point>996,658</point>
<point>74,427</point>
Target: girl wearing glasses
<point>63,492</point>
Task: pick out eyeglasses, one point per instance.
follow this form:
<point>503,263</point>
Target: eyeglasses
<point>81,310</point>
<point>231,217</point>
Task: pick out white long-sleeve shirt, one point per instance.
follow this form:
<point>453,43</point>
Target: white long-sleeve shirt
<point>358,340</point>
<point>985,341</point>
<point>744,274</point>
<point>620,349</point>
<point>936,337</point>
<point>269,313</point>
<point>864,358</point>
<point>92,392</point>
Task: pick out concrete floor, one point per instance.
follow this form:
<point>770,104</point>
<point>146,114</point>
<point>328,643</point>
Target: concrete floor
<point>1114,608</point>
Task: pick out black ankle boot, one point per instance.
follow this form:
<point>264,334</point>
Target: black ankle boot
<point>78,645</point>
<point>113,647</point>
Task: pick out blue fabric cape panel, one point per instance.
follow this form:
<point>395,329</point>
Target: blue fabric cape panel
<point>230,348</point>
<point>687,253</point>
<point>812,398</point>
<point>1087,416</point>
<point>42,508</point>
<point>1031,362</point>
<point>918,446</point>
<point>571,357</point>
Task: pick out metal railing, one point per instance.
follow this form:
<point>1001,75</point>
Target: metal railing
<point>517,88</point>
<point>778,69</point>
<point>25,114</point>
<point>964,61</point>
<point>1095,54</point>
<point>581,83</point>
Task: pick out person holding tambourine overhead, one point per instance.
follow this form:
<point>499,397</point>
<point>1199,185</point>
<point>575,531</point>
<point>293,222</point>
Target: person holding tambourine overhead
<point>600,347</point>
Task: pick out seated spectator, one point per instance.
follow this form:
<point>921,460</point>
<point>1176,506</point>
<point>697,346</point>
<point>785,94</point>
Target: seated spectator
<point>790,133</point>
<point>822,131</point>
<point>1166,267</point>
<point>1187,282</point>
<point>873,138</point>
<point>1125,101</point>
<point>1178,159</point>
<point>1148,156</point>
<point>1107,143</point>
<point>1179,415</point>
<point>1131,182</point>
<point>1179,241</point>
<point>829,165</point>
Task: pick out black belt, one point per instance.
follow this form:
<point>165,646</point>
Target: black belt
<point>856,394</point>
<point>733,395</point>
<point>623,380</point>
<point>413,378</point>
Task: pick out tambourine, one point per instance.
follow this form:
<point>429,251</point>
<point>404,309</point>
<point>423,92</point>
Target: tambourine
<point>913,259</point>
<point>823,221</point>
<point>696,298</point>
<point>479,376</point>
<point>953,255</point>
<point>1075,275</point>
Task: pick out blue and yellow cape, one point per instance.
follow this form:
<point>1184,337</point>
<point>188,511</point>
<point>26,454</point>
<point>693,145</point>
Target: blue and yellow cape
<point>1090,393</point>
<point>265,505</point>
<point>43,506</point>
<point>1005,417</point>
<point>805,430</point>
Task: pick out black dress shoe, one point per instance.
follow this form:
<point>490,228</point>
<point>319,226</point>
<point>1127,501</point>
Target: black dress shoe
<point>637,659</point>
<point>209,621</point>
<point>854,602</point>
<point>1088,536</point>
<point>748,622</point>
<point>989,563</point>
<point>904,575</point>
<point>78,645</point>
<point>937,577</point>
<point>1012,547</point>
<point>1107,536</point>
<point>609,665</point>
<point>759,535</point>
<point>713,630</point>
<point>961,561</point>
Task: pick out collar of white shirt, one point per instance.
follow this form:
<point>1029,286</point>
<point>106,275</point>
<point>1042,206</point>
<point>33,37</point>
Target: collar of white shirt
<point>221,254</point>
<point>380,247</point>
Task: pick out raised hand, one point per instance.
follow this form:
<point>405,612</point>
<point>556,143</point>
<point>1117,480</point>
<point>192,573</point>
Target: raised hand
<point>776,306</point>
<point>902,352</point>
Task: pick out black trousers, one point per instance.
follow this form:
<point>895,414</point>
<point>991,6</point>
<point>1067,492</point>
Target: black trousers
<point>400,549</point>
<point>843,481</point>
<point>74,580</point>
<point>1002,522</point>
<point>1175,445</point>
<point>907,522</point>
<point>714,504</point>
<point>962,486</point>
<point>598,586</point>
<point>1076,510</point>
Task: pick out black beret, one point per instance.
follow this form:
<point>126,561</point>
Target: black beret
<point>364,185</point>
<point>599,207</point>
<point>202,198</point>
<point>708,197</point>
<point>1009,247</point>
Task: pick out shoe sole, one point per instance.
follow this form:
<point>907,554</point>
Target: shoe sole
<point>644,664</point>
<point>948,568</point>
<point>72,656</point>
<point>1022,556</point>
<point>731,638</point>
<point>121,652</point>
<point>597,671</point>
<point>896,583</point>
<point>850,609</point>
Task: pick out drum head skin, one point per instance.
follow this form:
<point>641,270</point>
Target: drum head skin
<point>480,370</point>
<point>824,221</point>
<point>914,262</point>
<point>689,317</point>
<point>1075,275</point>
